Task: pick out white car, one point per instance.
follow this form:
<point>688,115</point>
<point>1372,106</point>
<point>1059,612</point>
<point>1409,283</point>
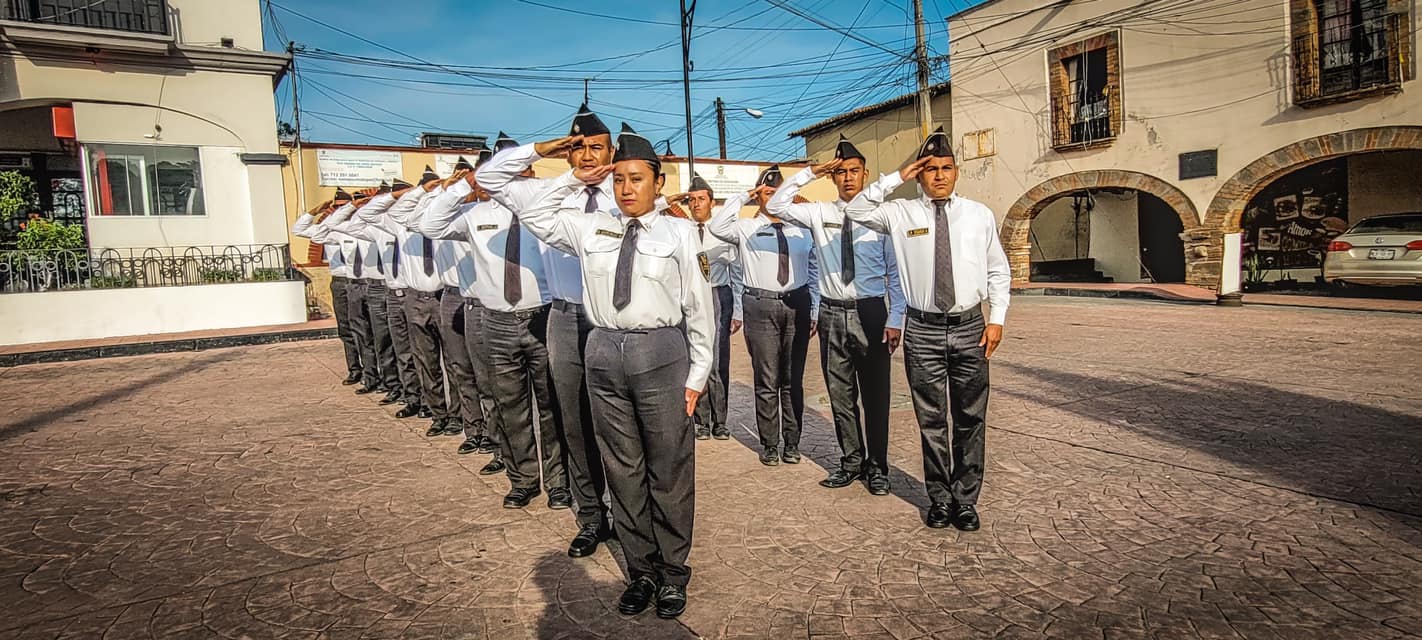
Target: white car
<point>1381,250</point>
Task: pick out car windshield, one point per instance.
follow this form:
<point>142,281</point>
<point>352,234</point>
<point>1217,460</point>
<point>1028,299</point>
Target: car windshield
<point>1405,223</point>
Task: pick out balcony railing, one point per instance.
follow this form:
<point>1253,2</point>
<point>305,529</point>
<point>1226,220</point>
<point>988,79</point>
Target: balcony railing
<point>32,271</point>
<point>136,16</point>
<point>1370,61</point>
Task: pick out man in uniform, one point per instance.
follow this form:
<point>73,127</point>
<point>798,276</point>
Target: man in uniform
<point>643,282</point>
<point>340,278</point>
<point>781,302</point>
<point>568,325</point>
<point>861,315</point>
<point>950,260</point>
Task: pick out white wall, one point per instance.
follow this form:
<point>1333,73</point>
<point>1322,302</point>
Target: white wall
<point>1115,236</point>
<point>80,315</point>
<point>1052,236</point>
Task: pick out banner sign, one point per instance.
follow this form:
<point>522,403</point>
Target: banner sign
<point>724,179</point>
<point>352,168</point>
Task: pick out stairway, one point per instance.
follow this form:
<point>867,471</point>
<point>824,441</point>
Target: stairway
<point>1078,270</point>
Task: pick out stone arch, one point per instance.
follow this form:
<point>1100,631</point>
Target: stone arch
<point>1016,227</point>
<point>1222,216</point>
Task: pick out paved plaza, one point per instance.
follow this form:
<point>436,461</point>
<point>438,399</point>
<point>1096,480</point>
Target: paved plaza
<point>1154,470</point>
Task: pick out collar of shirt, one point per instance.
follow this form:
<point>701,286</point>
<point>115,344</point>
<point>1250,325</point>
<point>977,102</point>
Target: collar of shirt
<point>928,202</point>
<point>648,220</point>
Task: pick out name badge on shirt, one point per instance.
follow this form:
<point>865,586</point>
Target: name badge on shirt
<point>833,225</point>
<point>610,234</point>
<point>705,265</point>
<point>486,227</point>
<point>766,234</point>
<point>914,233</point>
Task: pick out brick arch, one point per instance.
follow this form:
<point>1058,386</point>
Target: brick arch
<point>1228,205</point>
<point>1016,227</point>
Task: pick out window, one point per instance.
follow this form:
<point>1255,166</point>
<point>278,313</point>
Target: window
<point>136,180</point>
<point>1402,223</point>
<point>1345,49</point>
<point>1086,92</point>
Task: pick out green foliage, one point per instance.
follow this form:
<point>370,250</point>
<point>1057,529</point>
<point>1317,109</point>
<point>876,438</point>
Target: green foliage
<point>1254,269</point>
<point>268,274</point>
<point>220,275</point>
<point>46,236</point>
<point>113,282</point>
<point>17,194</point>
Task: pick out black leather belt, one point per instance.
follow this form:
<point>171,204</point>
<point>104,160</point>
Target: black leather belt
<point>766,294</point>
<point>846,304</point>
<point>567,306</point>
<point>427,294</point>
<point>945,318</point>
<point>521,314</point>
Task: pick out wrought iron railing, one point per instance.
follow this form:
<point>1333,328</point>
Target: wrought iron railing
<point>24,271</point>
<point>1372,59</point>
<point>138,16</point>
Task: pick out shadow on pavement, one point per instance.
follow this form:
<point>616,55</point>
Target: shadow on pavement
<point>578,606</point>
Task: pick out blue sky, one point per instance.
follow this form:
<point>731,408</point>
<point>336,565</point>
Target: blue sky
<point>481,66</point>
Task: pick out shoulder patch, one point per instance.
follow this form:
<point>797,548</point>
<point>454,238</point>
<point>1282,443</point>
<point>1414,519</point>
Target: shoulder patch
<point>914,233</point>
<point>705,265</point>
<point>610,234</point>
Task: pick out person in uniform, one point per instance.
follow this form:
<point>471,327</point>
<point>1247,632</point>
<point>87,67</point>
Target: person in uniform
<point>861,315</point>
<point>340,278</point>
<point>644,280</point>
<point>724,270</point>
<point>780,302</point>
<point>397,291</point>
<point>950,261</point>
<point>568,324</point>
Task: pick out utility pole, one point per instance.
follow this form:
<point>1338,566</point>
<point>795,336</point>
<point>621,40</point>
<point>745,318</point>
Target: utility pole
<point>686,17</point>
<point>721,125</point>
<point>296,143</point>
<point>920,55</point>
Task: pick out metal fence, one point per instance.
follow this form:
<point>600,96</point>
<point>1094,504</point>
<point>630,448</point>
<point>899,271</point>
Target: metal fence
<point>139,16</point>
<point>24,271</point>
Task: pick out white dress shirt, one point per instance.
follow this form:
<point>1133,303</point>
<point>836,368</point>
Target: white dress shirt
<point>725,261</point>
<point>499,176</point>
<point>483,227</point>
<point>668,286</point>
<point>453,260</point>
<point>876,272</point>
<point>375,247</point>
<point>410,245</point>
<point>337,243</point>
<point>331,248</point>
<point>760,250</point>
<point>980,269</point>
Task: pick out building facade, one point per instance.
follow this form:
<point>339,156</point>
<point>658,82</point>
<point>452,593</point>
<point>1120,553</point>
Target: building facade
<point>152,123</point>
<point>1185,141</point>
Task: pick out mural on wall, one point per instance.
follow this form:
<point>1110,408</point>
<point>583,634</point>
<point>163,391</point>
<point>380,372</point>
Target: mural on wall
<point>1289,224</point>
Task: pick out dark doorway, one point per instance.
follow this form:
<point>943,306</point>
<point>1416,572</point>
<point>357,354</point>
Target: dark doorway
<point>1162,250</point>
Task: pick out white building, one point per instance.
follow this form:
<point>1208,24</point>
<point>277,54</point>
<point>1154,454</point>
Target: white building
<point>1166,139</point>
<point>153,123</point>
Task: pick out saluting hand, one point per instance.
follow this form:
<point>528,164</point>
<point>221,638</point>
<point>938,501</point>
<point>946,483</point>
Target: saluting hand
<point>455,177</point>
<point>992,336</point>
<point>914,168</point>
<point>692,396</point>
<point>593,175</point>
<point>822,170</point>
<point>893,337</point>
<point>557,147</point>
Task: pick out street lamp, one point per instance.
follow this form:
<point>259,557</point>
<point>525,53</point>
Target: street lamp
<point>721,122</point>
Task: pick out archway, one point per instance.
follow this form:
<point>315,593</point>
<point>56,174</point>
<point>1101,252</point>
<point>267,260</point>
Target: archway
<point>1017,225</point>
<point>1228,206</point>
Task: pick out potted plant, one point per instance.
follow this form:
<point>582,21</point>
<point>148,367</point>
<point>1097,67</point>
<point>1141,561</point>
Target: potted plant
<point>1254,272</point>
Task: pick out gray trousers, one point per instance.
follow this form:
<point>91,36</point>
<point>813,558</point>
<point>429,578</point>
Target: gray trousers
<point>422,310</point>
<point>711,408</point>
<point>855,362</point>
<point>778,338</point>
<point>568,329</point>
<point>458,368</point>
<point>636,381</point>
<point>408,375</point>
<point>340,304</point>
<point>518,365</point>
<point>948,374</point>
<point>478,349</point>
<point>372,330</point>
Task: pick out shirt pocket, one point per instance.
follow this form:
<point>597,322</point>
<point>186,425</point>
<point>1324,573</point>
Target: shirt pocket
<point>657,258</point>
<point>600,257</point>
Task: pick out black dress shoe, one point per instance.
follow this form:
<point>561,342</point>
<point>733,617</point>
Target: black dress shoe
<point>353,379</point>
<point>770,458</point>
<point>408,411</point>
<point>965,518</point>
<point>703,432</point>
<point>878,484</point>
<point>559,499</point>
<point>452,427</point>
<point>585,543</point>
<point>938,516</point>
<point>638,596</point>
<point>391,398</point>
<point>671,601</point>
<point>519,497</point>
<point>839,479</point>
<point>467,447</point>
<point>495,466</point>
<point>720,432</point>
<point>791,455</point>
<point>436,429</point>
<point>364,389</point>
<point>486,445</point>
<point>426,413</point>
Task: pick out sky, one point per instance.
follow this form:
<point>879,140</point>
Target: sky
<point>370,75</point>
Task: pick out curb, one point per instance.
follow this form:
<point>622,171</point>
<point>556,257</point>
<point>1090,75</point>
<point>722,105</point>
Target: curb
<point>1097,293</point>
<point>162,346</point>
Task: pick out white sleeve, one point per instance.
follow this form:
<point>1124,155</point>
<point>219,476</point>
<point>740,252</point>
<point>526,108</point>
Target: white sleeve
<point>868,208</point>
<point>499,176</point>
<point>555,227</point>
<point>723,220</point>
<point>697,311</point>
<point>302,227</point>
<point>782,205</point>
<point>443,217</point>
<point>897,302</point>
<point>999,273</point>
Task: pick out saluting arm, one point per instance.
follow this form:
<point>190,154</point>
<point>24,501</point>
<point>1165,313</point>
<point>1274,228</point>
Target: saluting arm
<point>302,227</point>
<point>555,227</point>
<point>498,175</point>
<point>442,217</point>
<point>407,207</point>
<point>869,208</point>
<point>723,222</point>
<point>782,205</point>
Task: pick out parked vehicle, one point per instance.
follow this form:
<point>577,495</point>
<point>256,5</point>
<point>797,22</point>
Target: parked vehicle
<point>1381,250</point>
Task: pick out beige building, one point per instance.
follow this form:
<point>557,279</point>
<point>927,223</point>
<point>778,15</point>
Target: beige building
<point>152,123</point>
<point>886,133</point>
<point>1172,141</point>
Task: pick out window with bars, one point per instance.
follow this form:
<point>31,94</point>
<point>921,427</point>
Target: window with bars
<point>1345,49</point>
<point>1086,92</point>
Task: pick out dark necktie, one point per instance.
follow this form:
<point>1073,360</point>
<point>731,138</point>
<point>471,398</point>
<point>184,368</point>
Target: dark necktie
<point>513,281</point>
<point>701,231</point>
<point>782,247</point>
<point>622,282</point>
<point>394,261</point>
<point>846,251</point>
<point>427,247</point>
<point>591,205</point>
<point>355,268</point>
<point>943,293</point>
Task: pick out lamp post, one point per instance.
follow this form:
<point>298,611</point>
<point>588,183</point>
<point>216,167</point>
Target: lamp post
<point>721,122</point>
